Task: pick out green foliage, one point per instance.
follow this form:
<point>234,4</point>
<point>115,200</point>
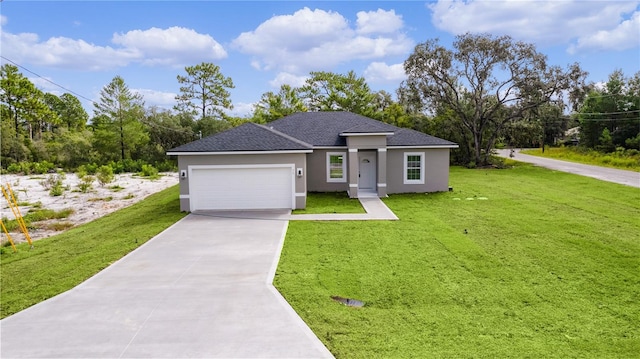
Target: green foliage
<point>105,175</point>
<point>523,262</point>
<point>203,91</point>
<point>621,158</point>
<point>469,86</point>
<point>118,130</point>
<point>327,91</point>
<point>37,215</point>
<point>273,106</point>
<point>148,171</point>
<point>614,108</point>
<point>54,184</point>
<point>60,262</point>
<point>86,182</point>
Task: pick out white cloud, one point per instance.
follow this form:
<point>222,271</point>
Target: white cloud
<point>317,40</point>
<point>3,20</point>
<point>241,109</point>
<point>174,46</point>
<point>543,22</point>
<point>160,99</point>
<point>285,78</point>
<point>381,22</point>
<point>625,36</point>
<point>380,72</point>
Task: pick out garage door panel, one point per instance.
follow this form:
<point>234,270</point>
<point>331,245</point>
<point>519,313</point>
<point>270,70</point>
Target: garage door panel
<point>241,188</point>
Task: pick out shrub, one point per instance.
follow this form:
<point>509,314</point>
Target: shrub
<point>42,167</point>
<point>14,168</point>
<point>53,183</point>
<point>105,175</point>
<point>85,183</point>
<point>148,171</point>
<point>167,166</point>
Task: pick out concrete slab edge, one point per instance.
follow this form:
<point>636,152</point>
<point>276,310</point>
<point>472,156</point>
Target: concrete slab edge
<point>313,338</point>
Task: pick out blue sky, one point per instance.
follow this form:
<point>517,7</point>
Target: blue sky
<point>82,45</point>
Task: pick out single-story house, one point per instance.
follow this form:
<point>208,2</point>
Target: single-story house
<point>256,166</point>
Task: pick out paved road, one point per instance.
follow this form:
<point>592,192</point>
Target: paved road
<point>628,178</point>
<point>201,289</point>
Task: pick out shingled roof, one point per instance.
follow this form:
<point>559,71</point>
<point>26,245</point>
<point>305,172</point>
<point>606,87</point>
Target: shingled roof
<point>305,130</point>
<point>247,137</point>
<point>325,129</point>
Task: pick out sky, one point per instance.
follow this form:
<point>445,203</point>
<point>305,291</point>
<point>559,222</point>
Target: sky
<point>82,45</point>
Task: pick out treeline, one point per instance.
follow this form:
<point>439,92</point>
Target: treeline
<point>460,94</point>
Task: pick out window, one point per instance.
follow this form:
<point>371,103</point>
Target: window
<point>336,167</point>
<point>414,168</point>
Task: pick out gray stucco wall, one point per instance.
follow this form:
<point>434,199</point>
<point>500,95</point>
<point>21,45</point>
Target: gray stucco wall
<point>297,159</point>
<point>317,172</point>
<point>436,171</point>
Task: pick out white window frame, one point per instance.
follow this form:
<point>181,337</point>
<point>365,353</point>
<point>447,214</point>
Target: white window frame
<point>344,167</point>
<point>406,167</point>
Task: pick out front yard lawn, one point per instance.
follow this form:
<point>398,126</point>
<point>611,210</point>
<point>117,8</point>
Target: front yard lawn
<point>524,262</point>
<point>330,202</point>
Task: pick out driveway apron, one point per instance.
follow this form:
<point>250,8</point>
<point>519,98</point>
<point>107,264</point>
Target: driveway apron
<point>200,289</point>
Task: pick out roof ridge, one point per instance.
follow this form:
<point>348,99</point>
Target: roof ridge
<point>284,135</point>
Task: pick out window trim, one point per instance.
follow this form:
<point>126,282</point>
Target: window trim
<point>406,167</point>
<point>344,167</point>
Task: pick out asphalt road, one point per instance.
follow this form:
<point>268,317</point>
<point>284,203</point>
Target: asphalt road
<point>628,178</point>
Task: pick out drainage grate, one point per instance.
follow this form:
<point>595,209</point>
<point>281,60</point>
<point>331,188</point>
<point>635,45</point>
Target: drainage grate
<point>348,301</point>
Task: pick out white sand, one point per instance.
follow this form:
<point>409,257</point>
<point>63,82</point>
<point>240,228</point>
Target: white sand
<point>86,206</point>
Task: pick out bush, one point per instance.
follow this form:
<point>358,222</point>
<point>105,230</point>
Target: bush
<point>148,171</point>
<point>167,166</point>
<point>53,183</point>
<point>105,175</point>
<point>14,168</point>
<point>86,182</point>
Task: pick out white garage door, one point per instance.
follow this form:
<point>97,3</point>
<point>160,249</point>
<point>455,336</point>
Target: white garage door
<point>235,187</point>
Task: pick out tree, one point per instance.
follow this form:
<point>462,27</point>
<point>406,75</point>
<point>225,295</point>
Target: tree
<point>204,91</point>
<point>72,113</point>
<point>327,91</point>
<point>614,108</point>
<point>487,82</point>
<point>117,120</point>
<point>25,103</point>
<point>273,106</point>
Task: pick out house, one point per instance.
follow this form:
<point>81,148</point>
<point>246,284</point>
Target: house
<point>274,166</point>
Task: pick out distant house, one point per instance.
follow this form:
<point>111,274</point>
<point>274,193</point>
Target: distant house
<point>274,166</point>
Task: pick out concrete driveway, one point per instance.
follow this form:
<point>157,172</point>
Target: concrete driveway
<point>628,178</point>
<point>200,289</point>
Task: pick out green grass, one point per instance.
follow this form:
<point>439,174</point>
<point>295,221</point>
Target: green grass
<point>625,160</point>
<point>549,267</point>
<point>37,215</point>
<point>331,202</point>
<point>60,262</point>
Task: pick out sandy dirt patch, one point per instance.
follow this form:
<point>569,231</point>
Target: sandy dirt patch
<point>124,191</point>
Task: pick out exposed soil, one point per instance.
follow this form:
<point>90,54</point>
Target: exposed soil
<point>124,191</point>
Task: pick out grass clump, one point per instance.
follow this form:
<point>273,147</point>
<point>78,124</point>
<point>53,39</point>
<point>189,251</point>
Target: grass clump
<point>544,266</point>
<point>37,215</point>
<point>330,202</point>
<point>628,159</point>
<point>60,262</point>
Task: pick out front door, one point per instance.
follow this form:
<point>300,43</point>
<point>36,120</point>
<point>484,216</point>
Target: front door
<point>367,168</point>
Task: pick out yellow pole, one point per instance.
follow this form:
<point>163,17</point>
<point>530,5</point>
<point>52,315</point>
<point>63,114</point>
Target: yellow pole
<point>8,236</point>
<point>16,212</point>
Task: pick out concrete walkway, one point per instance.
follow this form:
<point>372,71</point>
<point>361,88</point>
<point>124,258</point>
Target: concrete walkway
<point>200,289</point>
<point>629,178</point>
<point>375,208</point>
